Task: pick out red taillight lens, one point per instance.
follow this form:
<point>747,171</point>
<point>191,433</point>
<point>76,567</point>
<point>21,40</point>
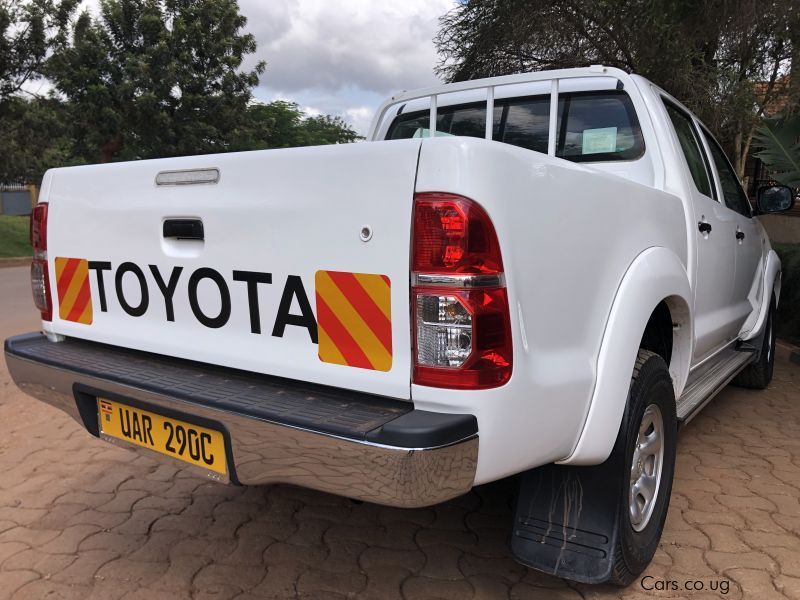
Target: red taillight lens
<point>40,278</point>
<point>462,327</point>
<point>453,234</point>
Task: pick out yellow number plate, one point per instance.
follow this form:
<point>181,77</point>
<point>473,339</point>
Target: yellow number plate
<point>192,444</point>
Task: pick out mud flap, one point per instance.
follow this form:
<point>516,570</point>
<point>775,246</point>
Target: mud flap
<point>566,521</point>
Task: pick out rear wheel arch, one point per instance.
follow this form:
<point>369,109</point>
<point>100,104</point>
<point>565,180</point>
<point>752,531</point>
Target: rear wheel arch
<point>654,286</point>
<point>668,334</point>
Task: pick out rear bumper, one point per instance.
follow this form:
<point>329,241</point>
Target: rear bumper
<point>277,430</point>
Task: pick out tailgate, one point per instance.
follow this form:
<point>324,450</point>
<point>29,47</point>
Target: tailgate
<point>281,283</point>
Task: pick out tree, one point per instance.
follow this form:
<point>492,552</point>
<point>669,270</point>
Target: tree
<point>282,124</point>
<point>30,129</point>
<point>29,30</point>
<point>325,129</point>
<point>34,138</point>
<point>155,78</point>
<point>711,55</point>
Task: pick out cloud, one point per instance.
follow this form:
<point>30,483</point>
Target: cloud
<point>344,57</point>
<point>341,58</point>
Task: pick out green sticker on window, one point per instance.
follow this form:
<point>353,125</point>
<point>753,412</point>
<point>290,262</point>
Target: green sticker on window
<point>602,139</point>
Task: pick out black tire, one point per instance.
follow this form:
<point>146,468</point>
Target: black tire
<point>758,374</point>
<point>650,385</point>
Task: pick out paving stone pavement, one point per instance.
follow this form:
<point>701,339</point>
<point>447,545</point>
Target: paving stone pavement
<point>82,519</point>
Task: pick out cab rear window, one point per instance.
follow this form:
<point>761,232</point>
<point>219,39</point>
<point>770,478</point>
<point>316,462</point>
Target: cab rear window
<point>592,126</point>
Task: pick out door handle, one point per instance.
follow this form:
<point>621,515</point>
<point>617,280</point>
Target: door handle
<point>704,227</point>
<point>184,229</point>
<point>740,235</point>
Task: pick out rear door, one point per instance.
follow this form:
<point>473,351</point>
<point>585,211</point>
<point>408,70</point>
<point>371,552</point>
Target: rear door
<point>748,248</point>
<point>301,269</point>
<point>715,317</point>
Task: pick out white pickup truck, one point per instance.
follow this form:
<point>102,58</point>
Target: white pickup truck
<point>553,282</point>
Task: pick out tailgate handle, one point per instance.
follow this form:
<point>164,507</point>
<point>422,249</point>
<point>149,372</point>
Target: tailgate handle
<point>184,229</point>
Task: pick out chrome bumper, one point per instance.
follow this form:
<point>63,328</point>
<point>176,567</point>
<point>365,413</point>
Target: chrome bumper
<point>264,451</point>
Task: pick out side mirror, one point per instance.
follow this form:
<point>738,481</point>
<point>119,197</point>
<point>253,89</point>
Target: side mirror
<point>775,199</point>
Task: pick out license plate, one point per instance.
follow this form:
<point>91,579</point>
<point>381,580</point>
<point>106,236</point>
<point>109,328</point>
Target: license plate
<point>185,441</point>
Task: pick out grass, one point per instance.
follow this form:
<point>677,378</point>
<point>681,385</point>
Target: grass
<point>14,236</point>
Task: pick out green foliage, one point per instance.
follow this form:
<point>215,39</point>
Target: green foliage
<point>14,240</point>
<point>708,54</point>
<point>788,321</point>
<point>780,138</point>
<point>28,30</point>
<point>31,131</point>
<point>154,78</point>
<point>325,129</point>
<point>282,124</point>
<point>34,138</point>
<point>143,79</point>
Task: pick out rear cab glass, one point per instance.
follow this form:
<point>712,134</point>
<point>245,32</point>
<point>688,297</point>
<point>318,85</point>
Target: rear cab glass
<point>593,126</point>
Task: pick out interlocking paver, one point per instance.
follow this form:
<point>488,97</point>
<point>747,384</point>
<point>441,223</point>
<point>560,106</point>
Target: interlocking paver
<point>523,591</point>
<point>81,519</point>
<point>387,558</point>
<point>384,583</point>
<point>121,543</point>
<point>13,580</point>
<point>40,562</point>
<point>441,562</point>
<point>157,547</point>
<point>47,588</point>
<point>426,587</point>
<point>789,586</point>
<point>28,535</point>
<point>69,539</point>
<point>85,567</point>
<point>180,573</point>
<point>756,584</point>
<point>316,581</point>
<point>9,549</point>
<point>723,562</point>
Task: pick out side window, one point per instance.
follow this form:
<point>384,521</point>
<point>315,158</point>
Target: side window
<point>593,126</point>
<point>459,120</point>
<point>598,126</point>
<point>470,122</point>
<point>690,144</point>
<point>732,191</point>
<point>526,124</point>
<point>410,126</point>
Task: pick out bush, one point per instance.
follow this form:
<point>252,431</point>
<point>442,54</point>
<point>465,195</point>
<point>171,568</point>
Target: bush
<point>788,322</point>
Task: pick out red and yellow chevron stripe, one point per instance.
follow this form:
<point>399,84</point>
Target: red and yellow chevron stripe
<point>74,293</point>
<point>354,315</point>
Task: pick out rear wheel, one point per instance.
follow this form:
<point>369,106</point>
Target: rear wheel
<point>602,523</point>
<point>758,374</point>
<point>645,454</point>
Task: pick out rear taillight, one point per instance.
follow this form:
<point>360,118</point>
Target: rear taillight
<point>462,328</point>
<point>40,278</point>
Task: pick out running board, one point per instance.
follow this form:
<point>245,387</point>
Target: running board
<point>700,391</point>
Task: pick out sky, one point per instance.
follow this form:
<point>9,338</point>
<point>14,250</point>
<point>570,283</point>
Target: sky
<point>345,57</point>
<point>341,57</point>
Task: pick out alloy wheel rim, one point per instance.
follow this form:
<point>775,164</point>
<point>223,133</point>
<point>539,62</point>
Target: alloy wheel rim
<point>646,468</point>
